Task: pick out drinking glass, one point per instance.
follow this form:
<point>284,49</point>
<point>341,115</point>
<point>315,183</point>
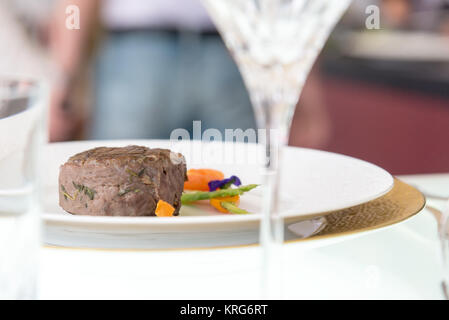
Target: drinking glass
<point>21,134</point>
<point>444,240</point>
<point>275,43</point>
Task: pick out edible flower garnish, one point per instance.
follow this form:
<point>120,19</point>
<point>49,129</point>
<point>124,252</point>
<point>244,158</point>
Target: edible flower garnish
<point>224,184</point>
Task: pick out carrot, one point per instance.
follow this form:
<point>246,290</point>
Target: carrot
<point>164,209</point>
<point>198,179</point>
<point>216,202</point>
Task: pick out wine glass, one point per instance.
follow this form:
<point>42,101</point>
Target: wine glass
<point>275,43</point>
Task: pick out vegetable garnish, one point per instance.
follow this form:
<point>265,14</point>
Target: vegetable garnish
<point>217,202</point>
<point>198,179</point>
<point>224,184</point>
<point>187,198</point>
<point>164,209</point>
<point>233,208</point>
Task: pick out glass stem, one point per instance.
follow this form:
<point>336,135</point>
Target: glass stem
<point>271,231</point>
<point>271,225</point>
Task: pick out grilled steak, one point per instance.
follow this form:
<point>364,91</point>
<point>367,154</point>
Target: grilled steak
<point>125,181</point>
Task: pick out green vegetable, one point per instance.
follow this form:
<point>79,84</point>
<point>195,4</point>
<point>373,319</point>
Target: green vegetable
<point>233,208</point>
<point>204,195</point>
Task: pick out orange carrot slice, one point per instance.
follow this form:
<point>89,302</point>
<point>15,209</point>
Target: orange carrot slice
<point>198,179</point>
<point>216,202</point>
<point>164,209</point>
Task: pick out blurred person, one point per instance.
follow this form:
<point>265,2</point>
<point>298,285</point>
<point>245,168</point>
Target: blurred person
<point>163,65</point>
<point>160,66</point>
<point>35,46</point>
<point>70,51</point>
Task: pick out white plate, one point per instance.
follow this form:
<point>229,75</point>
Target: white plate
<point>312,182</point>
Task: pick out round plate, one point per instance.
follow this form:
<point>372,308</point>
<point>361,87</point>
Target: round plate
<point>312,182</point>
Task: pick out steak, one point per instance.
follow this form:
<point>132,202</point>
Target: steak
<point>126,181</point>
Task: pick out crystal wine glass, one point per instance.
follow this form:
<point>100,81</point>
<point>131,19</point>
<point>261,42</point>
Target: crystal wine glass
<point>275,43</point>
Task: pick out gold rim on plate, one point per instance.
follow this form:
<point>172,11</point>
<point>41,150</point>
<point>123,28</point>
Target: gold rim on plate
<point>401,203</point>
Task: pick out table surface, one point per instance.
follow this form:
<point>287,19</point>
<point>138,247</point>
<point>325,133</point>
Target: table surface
<point>398,262</point>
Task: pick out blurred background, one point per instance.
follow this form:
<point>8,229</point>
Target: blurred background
<point>139,69</point>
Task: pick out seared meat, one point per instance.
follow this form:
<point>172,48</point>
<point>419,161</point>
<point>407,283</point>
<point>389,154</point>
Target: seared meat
<point>125,181</point>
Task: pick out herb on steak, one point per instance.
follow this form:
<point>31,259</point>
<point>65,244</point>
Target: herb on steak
<point>66,194</point>
<point>131,173</point>
<point>146,180</point>
<point>141,172</point>
<point>87,191</point>
<point>125,191</point>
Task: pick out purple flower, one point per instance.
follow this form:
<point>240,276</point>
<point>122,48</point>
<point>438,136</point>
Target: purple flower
<point>224,184</point>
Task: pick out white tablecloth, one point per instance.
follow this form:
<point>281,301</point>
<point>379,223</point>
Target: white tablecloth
<point>399,262</point>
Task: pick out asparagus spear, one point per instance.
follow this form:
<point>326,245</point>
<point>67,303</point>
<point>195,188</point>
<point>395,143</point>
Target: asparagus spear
<point>204,195</point>
<point>233,208</point>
